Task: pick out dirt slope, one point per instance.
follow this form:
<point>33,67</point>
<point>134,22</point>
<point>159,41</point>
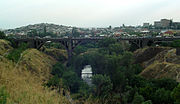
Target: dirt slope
<point>163,63</point>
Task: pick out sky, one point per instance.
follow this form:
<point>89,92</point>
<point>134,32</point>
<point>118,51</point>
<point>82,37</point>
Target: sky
<point>86,13</point>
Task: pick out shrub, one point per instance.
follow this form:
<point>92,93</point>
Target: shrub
<point>15,54</point>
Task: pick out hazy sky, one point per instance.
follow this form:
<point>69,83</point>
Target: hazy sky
<point>86,13</point>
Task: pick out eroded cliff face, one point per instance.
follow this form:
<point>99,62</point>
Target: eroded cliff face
<point>159,62</point>
<point>145,54</point>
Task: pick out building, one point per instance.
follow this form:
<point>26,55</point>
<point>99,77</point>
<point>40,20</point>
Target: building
<point>157,24</point>
<point>168,33</point>
<point>164,23</point>
<point>176,25</point>
<point>145,24</point>
<point>86,74</point>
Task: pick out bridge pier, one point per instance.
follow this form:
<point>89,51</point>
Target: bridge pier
<point>69,49</point>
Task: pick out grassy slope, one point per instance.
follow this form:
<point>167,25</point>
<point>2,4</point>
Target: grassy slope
<point>37,62</point>
<point>24,83</point>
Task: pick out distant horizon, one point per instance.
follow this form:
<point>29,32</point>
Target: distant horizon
<point>86,13</point>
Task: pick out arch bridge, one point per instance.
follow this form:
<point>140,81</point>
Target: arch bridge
<point>70,43</point>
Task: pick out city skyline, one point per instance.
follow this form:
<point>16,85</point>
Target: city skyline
<point>86,13</point>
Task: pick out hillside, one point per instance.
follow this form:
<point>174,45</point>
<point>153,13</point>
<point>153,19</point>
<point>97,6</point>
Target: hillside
<point>37,62</point>
<point>40,28</point>
<point>161,62</point>
<point>23,81</point>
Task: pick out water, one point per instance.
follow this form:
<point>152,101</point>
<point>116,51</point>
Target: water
<point>86,74</point>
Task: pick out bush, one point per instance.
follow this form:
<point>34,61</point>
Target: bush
<point>15,54</point>
<point>54,82</point>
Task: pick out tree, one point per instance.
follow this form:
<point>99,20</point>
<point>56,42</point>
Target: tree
<point>54,82</point>
<point>80,49</point>
<point>71,80</point>
<point>162,96</point>
<point>106,42</point>
<point>147,91</point>
<point>116,48</point>
<point>127,59</point>
<point>102,84</point>
<point>166,83</point>
<point>138,99</point>
<point>147,102</point>
<point>176,43</point>
<point>2,35</point>
<point>176,94</point>
<point>58,69</point>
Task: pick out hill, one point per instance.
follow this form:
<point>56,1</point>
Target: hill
<point>40,28</point>
<point>159,62</point>
<point>37,62</point>
<point>22,82</point>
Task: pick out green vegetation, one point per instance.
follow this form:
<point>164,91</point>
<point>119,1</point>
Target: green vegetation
<point>103,86</point>
<point>2,35</point>
<point>3,95</point>
<point>138,99</point>
<point>15,54</point>
<point>24,84</point>
<point>174,44</point>
<point>116,78</point>
<point>69,78</point>
<point>176,94</point>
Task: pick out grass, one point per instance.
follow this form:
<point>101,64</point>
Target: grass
<point>37,62</point>
<point>25,86</point>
